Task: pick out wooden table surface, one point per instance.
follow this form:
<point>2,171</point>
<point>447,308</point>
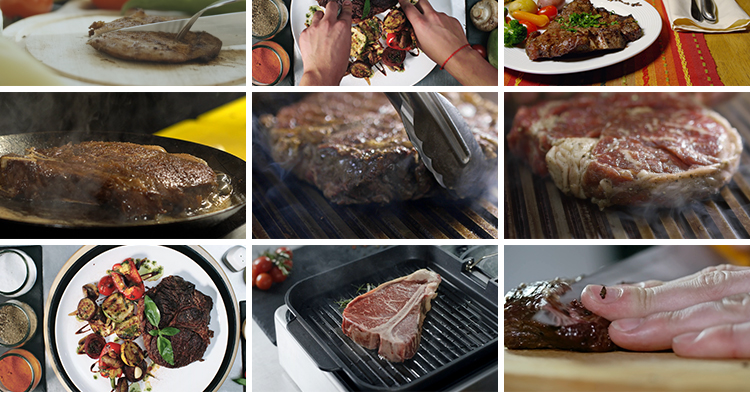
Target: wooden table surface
<point>731,51</point>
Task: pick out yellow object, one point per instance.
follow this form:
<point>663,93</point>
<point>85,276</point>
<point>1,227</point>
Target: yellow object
<point>736,255</point>
<point>223,128</point>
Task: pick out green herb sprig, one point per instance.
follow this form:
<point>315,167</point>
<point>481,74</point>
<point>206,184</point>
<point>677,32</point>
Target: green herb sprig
<point>364,288</point>
<point>366,9</point>
<point>154,317</point>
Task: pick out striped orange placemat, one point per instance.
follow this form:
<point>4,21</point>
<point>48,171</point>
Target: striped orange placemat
<point>673,59</point>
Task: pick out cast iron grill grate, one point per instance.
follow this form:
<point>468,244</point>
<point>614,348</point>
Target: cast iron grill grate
<point>535,208</point>
<point>455,326</point>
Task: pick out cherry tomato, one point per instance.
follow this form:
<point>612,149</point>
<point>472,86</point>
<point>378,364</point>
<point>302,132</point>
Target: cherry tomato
<point>530,27</point>
<point>277,275</point>
<point>263,281</point>
<point>254,275</point>
<point>109,4</point>
<point>263,264</point>
<point>284,250</point>
<point>25,8</point>
<point>550,11</point>
<point>481,49</point>
<point>106,286</point>
<point>288,264</point>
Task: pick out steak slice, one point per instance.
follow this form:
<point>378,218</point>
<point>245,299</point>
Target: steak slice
<point>354,148</point>
<point>628,148</point>
<point>611,31</point>
<point>151,46</point>
<point>391,315</point>
<point>576,328</point>
<point>376,7</point>
<point>185,308</point>
<point>134,180</point>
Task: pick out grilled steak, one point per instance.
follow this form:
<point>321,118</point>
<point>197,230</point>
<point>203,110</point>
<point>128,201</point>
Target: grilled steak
<point>187,309</point>
<point>376,7</point>
<point>564,36</point>
<point>134,180</point>
<point>151,46</point>
<point>628,148</point>
<point>354,148</point>
<point>391,315</point>
<point>576,328</point>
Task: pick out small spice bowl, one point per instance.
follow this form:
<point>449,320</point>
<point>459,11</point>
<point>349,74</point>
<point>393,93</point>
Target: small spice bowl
<point>18,323</point>
<point>271,63</point>
<point>269,18</point>
<point>20,371</point>
<point>17,273</point>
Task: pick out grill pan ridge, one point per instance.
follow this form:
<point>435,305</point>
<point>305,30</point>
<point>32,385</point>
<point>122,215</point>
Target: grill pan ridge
<point>535,208</point>
<point>459,333</point>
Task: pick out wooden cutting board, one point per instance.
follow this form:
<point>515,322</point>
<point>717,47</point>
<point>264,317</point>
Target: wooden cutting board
<point>552,370</point>
<point>59,41</point>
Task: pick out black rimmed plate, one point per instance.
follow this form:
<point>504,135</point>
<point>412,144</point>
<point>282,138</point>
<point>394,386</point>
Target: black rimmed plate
<point>193,264</point>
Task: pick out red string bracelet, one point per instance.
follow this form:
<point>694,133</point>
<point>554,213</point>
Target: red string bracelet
<point>449,57</point>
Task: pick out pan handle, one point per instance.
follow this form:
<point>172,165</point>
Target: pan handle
<point>311,346</point>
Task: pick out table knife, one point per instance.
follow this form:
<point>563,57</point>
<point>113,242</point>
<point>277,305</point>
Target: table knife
<point>229,28</point>
<point>695,11</point>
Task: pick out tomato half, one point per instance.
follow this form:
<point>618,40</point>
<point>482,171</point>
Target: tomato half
<point>25,8</point>
<point>530,27</point>
<point>550,11</point>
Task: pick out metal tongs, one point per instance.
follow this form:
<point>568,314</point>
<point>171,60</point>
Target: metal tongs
<point>443,139</point>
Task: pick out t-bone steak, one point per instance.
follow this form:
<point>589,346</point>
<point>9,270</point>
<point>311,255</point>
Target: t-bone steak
<point>565,36</point>
<point>628,148</point>
<point>391,315</point>
<point>574,328</point>
<point>354,148</point>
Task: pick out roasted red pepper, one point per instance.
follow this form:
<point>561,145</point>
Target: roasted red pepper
<point>127,270</point>
<point>392,40</point>
<point>110,364</point>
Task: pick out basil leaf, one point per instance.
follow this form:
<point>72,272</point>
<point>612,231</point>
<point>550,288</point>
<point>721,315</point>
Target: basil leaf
<point>169,331</point>
<point>366,9</point>
<point>241,381</point>
<point>153,332</point>
<point>165,349</point>
<point>152,312</point>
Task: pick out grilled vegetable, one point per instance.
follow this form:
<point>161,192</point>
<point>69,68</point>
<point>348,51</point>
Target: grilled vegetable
<point>131,354</point>
<point>93,345</point>
<point>117,308</point>
<point>395,21</point>
<point>102,325</point>
<point>522,5</point>
<point>90,291</point>
<point>106,286</point>
<point>129,329</point>
<point>110,364</point>
<point>135,373</point>
<point>87,309</point>
<point>538,20</point>
<point>122,385</point>
<point>127,280</point>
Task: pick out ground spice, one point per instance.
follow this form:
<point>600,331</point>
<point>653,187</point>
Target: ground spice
<point>15,373</point>
<point>265,18</point>
<point>13,324</point>
<point>266,65</point>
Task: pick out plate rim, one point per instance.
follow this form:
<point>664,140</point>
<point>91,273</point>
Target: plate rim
<point>86,253</point>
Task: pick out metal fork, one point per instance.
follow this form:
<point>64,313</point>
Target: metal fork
<point>197,15</point>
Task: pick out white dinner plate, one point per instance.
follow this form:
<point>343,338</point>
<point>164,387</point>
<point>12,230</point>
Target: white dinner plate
<point>647,17</point>
<point>89,264</point>
<point>415,68</point>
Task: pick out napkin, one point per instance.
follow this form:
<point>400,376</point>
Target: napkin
<point>731,17</point>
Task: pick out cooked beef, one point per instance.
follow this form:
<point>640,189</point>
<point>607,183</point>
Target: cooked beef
<point>151,46</point>
<point>376,7</point>
<point>187,309</point>
<point>354,148</point>
<point>391,315</point>
<point>612,31</point>
<point>134,180</point>
<point>628,148</point>
<point>576,328</point>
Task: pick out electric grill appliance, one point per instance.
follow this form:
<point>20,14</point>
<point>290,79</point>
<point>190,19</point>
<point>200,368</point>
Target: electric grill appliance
<point>459,345</point>
<point>535,208</point>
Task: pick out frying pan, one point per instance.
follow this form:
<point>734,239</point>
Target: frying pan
<point>204,225</point>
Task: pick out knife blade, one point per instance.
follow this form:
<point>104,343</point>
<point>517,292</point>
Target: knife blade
<point>664,263</point>
<point>229,28</point>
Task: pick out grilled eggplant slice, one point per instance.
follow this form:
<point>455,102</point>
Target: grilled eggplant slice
<point>117,308</point>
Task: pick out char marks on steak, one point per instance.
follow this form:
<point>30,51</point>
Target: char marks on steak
<point>575,329</point>
<point>628,148</point>
<point>134,180</point>
<point>376,7</point>
<point>391,315</point>
<point>161,47</point>
<point>187,309</point>
<point>560,39</point>
<point>354,148</point>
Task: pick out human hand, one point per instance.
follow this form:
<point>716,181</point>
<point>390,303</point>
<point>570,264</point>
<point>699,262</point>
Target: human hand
<point>325,45</point>
<point>704,315</point>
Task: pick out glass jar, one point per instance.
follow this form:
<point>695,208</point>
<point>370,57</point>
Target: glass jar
<point>20,371</point>
<point>18,323</point>
<point>17,273</point>
<point>269,18</point>
<point>270,63</point>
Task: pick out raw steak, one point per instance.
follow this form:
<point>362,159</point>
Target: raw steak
<point>354,148</point>
<point>628,148</point>
<point>391,315</point>
<point>610,31</point>
<point>576,328</point>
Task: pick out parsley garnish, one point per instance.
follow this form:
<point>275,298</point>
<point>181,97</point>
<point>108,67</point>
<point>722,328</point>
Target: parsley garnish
<point>582,20</point>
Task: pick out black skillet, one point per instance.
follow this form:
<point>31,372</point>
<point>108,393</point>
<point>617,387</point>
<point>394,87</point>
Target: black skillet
<point>199,225</point>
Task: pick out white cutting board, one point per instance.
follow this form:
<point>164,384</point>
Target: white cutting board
<point>59,41</point>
